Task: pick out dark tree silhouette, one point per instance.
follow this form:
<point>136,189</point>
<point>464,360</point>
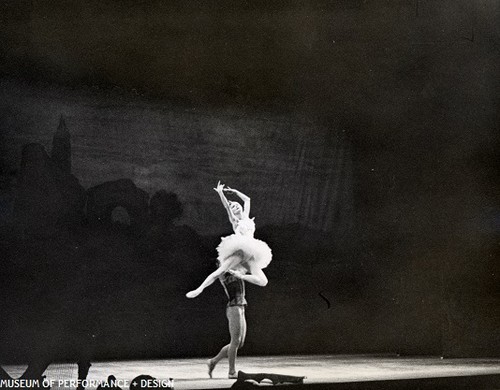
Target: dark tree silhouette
<point>165,207</point>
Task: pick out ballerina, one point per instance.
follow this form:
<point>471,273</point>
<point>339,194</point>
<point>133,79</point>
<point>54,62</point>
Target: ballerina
<point>241,258</point>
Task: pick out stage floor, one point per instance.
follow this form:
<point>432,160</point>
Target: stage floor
<point>192,373</point>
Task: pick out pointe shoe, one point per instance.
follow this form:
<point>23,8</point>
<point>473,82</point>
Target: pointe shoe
<point>211,366</point>
<point>232,375</point>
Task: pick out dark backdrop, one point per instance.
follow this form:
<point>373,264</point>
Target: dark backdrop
<point>366,133</point>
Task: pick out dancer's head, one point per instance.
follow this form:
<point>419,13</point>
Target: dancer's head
<point>236,209</point>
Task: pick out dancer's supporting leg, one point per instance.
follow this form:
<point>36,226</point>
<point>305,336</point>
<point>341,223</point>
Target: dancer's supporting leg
<point>237,330</point>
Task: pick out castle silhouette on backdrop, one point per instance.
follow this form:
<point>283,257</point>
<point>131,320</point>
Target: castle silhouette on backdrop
<point>49,195</point>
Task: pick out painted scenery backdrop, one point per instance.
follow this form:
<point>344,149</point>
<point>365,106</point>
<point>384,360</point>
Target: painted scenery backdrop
<point>366,134</point>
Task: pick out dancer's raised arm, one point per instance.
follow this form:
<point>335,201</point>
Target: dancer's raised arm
<point>219,189</point>
<point>243,197</point>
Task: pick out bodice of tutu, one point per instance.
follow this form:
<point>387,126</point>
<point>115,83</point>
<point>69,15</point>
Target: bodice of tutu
<point>245,227</point>
<point>243,242</point>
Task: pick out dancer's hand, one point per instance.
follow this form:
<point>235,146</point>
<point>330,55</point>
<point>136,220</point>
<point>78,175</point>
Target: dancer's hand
<point>219,188</point>
<point>194,293</point>
<point>229,190</point>
<point>237,274</point>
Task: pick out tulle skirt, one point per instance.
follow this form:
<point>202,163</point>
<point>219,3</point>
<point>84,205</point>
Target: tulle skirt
<point>254,250</point>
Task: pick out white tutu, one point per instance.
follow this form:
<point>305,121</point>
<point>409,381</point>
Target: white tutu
<point>254,250</point>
